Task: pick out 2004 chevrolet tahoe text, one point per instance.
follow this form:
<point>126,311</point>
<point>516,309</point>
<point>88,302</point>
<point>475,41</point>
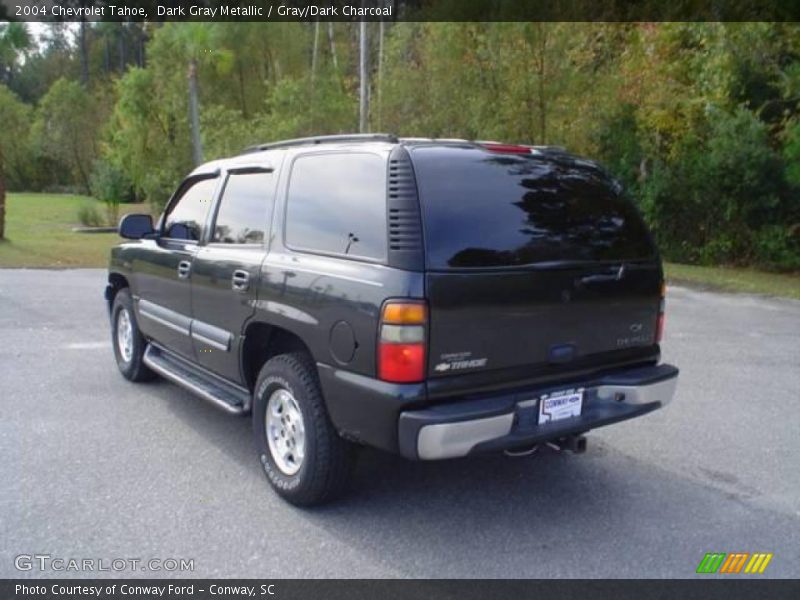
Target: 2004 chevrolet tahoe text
<point>433,298</point>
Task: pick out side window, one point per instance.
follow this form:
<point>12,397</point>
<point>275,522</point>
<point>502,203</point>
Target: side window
<point>187,215</point>
<point>337,205</point>
<point>244,209</point>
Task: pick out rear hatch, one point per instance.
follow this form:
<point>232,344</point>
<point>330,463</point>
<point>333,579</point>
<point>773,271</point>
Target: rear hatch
<point>534,262</point>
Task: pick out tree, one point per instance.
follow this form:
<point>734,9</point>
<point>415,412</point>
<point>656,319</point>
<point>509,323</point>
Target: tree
<point>147,136</point>
<point>67,127</point>
<point>381,36</point>
<point>83,48</point>
<point>363,75</point>
<point>198,44</point>
<point>332,43</point>
<point>14,40</point>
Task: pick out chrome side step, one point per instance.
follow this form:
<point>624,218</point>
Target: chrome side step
<point>226,396</point>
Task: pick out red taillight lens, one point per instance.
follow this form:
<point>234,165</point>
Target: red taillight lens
<point>507,148</point>
<point>401,342</point>
<point>660,321</point>
<point>401,363</point>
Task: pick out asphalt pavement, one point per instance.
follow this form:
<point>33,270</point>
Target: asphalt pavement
<point>95,467</point>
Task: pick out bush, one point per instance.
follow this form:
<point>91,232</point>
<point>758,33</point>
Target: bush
<point>791,152</point>
<point>157,188</point>
<point>89,216</point>
<point>109,184</point>
<point>777,247</point>
<point>719,197</point>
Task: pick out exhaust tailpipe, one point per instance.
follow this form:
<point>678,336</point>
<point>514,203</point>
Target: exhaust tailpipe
<point>574,443</point>
<point>517,452</point>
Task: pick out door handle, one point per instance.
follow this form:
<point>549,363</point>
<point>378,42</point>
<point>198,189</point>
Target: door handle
<point>184,269</point>
<point>614,275</point>
<point>240,280</point>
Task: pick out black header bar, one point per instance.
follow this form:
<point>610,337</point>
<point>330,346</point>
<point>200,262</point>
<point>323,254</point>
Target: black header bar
<point>733,588</point>
<point>400,10</point>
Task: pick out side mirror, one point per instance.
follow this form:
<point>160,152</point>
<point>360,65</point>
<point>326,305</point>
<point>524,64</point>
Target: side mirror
<point>135,227</point>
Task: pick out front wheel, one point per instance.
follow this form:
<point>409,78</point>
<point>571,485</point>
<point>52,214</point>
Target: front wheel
<point>129,345</point>
<point>304,458</point>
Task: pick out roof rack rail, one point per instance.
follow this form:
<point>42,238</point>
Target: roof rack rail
<point>325,139</point>
<point>551,148</point>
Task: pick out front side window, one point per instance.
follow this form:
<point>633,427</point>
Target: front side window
<point>244,209</point>
<point>337,205</point>
<point>188,213</point>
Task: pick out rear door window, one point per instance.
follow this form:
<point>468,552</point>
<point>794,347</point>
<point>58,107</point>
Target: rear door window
<point>337,205</point>
<point>244,209</point>
<point>485,209</point>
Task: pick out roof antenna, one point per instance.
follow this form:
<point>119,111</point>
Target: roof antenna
<point>351,239</point>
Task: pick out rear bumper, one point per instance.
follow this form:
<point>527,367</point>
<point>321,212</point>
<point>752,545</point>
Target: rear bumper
<point>509,421</point>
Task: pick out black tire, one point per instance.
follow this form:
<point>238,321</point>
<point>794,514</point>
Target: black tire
<point>132,368</point>
<point>328,459</point>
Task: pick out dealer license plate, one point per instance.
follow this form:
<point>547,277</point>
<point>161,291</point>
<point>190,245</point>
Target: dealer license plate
<point>560,405</point>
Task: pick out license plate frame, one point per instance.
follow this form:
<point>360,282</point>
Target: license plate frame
<point>561,405</point>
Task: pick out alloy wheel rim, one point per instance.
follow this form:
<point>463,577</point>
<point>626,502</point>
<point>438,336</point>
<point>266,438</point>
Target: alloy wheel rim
<point>286,433</point>
<point>125,335</point>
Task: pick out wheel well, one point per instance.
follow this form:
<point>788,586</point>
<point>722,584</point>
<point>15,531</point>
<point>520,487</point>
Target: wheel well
<point>263,341</point>
<point>117,282</point>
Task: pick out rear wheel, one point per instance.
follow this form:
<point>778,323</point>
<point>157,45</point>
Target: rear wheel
<point>304,458</point>
<point>129,345</point>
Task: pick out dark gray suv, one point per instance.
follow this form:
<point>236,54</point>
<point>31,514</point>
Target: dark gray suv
<point>433,298</point>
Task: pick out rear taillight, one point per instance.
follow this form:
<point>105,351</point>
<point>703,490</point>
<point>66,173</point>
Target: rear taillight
<point>401,341</point>
<point>660,321</point>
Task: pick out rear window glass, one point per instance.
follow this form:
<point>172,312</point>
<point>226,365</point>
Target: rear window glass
<point>484,209</point>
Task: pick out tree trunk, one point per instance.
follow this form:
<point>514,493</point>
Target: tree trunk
<point>107,56</point>
<point>380,76</point>
<point>194,113</point>
<point>82,174</point>
<point>2,198</point>
<point>314,52</point>
<point>122,43</point>
<point>364,77</point>
<point>242,96</point>
<point>84,52</point>
<point>140,39</point>
<point>332,43</point>
<point>312,92</point>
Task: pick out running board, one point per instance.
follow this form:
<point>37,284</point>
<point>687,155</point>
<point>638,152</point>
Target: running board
<point>226,396</point>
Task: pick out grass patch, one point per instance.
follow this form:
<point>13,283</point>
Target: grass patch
<point>39,232</point>
<point>735,279</point>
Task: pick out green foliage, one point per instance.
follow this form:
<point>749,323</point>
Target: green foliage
<point>777,247</point>
<point>14,41</point>
<point>147,135</point>
<point>15,139</point>
<point>705,200</point>
<point>619,147</point>
<point>109,183</point>
<point>791,152</point>
<point>700,121</point>
<point>89,215</point>
<point>66,129</point>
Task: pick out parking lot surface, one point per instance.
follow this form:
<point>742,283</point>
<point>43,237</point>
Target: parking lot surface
<point>96,467</point>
